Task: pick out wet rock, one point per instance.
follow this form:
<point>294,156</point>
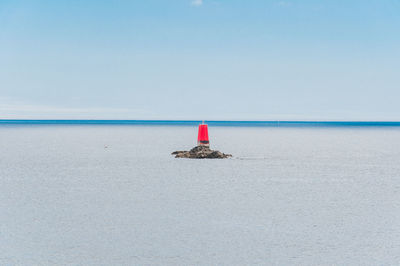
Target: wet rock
<point>201,152</point>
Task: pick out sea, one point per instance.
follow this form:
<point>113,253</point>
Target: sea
<point>110,193</point>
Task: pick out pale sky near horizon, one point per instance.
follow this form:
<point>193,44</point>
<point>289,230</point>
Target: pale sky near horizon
<point>201,59</point>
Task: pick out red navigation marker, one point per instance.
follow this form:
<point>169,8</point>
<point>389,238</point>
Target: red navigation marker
<point>202,137</point>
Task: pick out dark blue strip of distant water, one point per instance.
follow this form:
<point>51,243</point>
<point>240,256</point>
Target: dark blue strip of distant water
<point>209,122</point>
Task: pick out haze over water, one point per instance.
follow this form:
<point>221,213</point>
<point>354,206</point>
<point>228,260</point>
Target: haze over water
<point>113,195</point>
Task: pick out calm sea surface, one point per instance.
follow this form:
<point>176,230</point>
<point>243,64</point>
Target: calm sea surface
<point>113,195</point>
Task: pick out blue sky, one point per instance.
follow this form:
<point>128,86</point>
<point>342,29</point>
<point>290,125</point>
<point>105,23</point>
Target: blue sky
<point>210,59</point>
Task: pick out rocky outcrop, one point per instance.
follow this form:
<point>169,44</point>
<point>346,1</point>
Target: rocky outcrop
<point>201,152</point>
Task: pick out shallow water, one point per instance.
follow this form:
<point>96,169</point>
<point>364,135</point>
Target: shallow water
<point>113,195</point>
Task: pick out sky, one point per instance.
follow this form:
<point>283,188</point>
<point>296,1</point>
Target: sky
<point>200,59</point>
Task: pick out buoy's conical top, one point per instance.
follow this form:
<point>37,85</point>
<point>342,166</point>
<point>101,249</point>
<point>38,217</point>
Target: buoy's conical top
<point>202,137</point>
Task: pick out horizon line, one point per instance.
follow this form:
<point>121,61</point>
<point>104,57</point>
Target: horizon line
<point>266,123</point>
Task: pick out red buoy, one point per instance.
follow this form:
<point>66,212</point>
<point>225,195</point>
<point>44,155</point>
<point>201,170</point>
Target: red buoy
<point>202,137</point>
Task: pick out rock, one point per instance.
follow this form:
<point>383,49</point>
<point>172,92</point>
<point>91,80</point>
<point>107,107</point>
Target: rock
<point>201,152</point>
